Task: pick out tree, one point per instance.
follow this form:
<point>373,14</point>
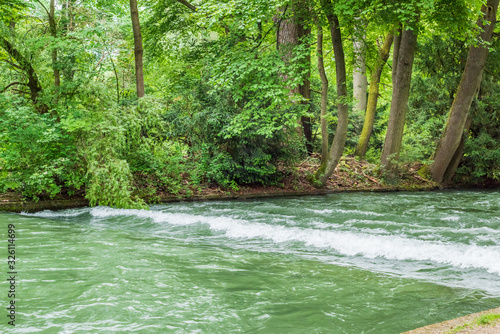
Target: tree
<point>292,32</point>
<point>400,94</point>
<point>324,95</point>
<point>373,93</point>
<point>53,32</point>
<point>24,64</point>
<point>359,82</point>
<point>138,51</point>
<point>443,166</point>
<point>327,167</point>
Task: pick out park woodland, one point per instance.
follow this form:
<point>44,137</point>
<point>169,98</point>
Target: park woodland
<point>119,101</point>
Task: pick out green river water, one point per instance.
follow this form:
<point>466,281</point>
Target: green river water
<point>343,263</point>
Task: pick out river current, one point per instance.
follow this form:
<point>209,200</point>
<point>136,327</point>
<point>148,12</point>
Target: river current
<point>342,263</point>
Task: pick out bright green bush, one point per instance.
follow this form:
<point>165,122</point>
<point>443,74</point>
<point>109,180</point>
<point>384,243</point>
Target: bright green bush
<point>36,152</point>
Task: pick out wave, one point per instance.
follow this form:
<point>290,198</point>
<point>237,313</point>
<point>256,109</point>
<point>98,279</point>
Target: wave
<point>328,211</point>
<point>58,214</point>
<point>342,242</point>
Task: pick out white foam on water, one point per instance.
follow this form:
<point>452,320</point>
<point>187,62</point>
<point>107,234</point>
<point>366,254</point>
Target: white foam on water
<point>358,212</point>
<point>343,242</point>
<point>58,214</point>
<point>451,218</point>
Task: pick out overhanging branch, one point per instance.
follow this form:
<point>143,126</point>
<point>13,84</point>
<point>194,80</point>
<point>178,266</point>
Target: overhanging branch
<point>188,5</point>
<point>12,84</point>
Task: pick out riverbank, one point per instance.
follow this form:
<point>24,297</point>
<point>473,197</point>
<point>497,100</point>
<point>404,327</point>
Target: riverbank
<point>299,187</point>
<point>351,175</point>
<point>486,322</point>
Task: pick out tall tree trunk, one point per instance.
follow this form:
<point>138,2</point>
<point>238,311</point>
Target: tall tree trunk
<point>305,88</point>
<point>34,84</point>
<point>327,168</point>
<point>359,81</point>
<point>400,95</point>
<point>324,95</point>
<point>68,17</point>
<point>138,51</point>
<point>291,33</point>
<point>471,79</point>
<point>53,32</point>
<point>371,106</point>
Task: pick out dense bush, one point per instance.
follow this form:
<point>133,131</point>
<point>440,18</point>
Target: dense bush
<point>37,154</point>
<point>222,154</point>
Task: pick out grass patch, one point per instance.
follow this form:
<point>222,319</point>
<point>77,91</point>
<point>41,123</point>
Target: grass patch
<point>484,320</point>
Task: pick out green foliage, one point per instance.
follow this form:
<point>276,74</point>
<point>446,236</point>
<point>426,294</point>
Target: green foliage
<point>220,105</point>
<point>34,151</point>
<point>222,153</point>
<point>155,160</point>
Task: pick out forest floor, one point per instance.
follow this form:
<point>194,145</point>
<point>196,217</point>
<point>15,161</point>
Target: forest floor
<point>350,175</point>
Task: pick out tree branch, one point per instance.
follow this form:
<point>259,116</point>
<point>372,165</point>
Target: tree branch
<point>12,84</point>
<point>188,5</point>
<point>12,64</point>
<point>41,4</point>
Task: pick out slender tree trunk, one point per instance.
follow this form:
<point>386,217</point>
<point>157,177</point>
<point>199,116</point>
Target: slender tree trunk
<point>471,79</point>
<point>371,106</point>
<point>305,88</point>
<point>117,81</point>
<point>400,95</point>
<point>327,168</point>
<point>67,26</point>
<point>324,95</point>
<point>359,81</point>
<point>53,32</point>
<point>138,51</point>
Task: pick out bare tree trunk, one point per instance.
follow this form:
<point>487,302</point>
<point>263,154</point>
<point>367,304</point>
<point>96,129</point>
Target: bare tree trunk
<point>359,81</point>
<point>138,51</point>
<point>400,95</point>
<point>53,32</point>
<point>471,79</point>
<point>371,106</point>
<point>324,95</point>
<point>327,168</point>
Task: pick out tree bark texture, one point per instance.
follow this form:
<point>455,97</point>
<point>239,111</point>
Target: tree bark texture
<point>471,79</point>
<point>371,106</point>
<point>359,81</point>
<point>459,153</point>
<point>290,34</point>
<point>327,168</point>
<point>395,53</point>
<point>138,51</point>
<point>324,95</point>
<point>400,95</point>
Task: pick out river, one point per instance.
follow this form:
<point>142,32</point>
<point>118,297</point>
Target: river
<point>342,263</point>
